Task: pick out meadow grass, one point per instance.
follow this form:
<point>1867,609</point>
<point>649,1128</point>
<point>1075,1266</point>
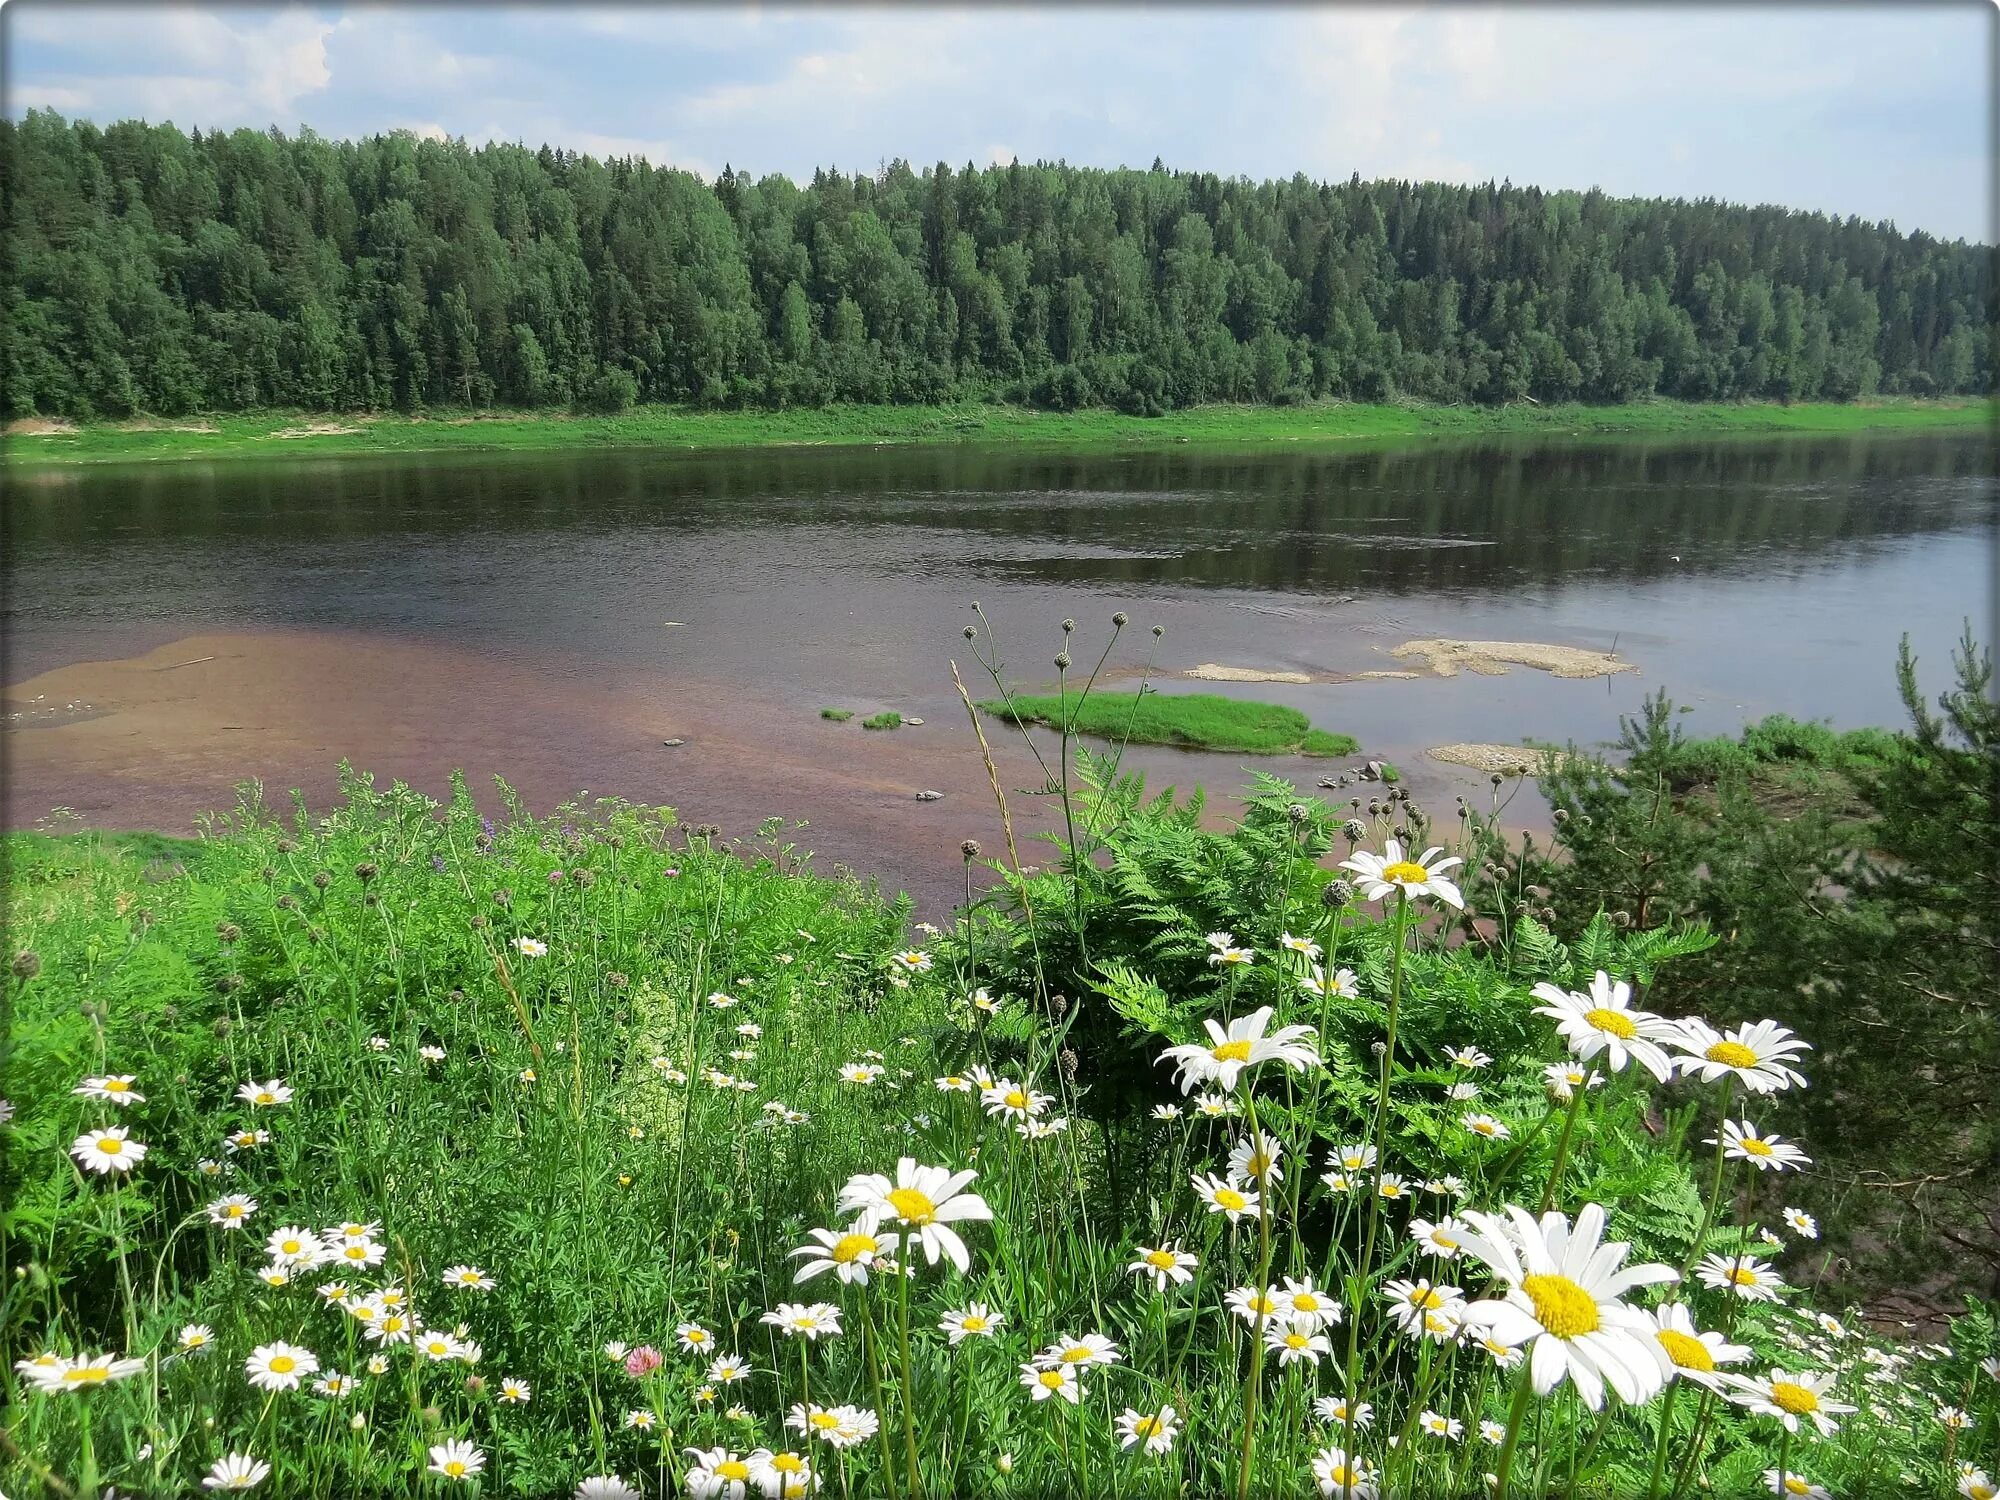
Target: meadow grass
<point>1196,721</point>
<point>258,436</point>
<point>837,715</point>
<point>1115,1185</point>
<point>887,719</point>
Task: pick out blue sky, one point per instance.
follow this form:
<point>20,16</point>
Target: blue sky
<point>1879,111</point>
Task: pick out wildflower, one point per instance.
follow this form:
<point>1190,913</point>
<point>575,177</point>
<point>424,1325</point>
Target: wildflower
<point>1485,1126</point>
<point>1292,1343</point>
<point>1087,1352</point>
<point>1954,1418</point>
<point>515,1392</point>
<point>1801,1223</point>
<point>926,1200</point>
<point>113,1088</point>
<point>431,1054</point>
<point>109,1150</point>
<point>1744,1275</point>
<point>1492,1432</point>
<point>75,1374</point>
<point>468,1279</point>
<point>1604,1021</point>
<point>1307,1307</point>
<point>816,1422</point>
<point>1392,871</point>
<point>456,1459</point>
<point>195,1337</point>
<point>1352,1158</point>
<point>1055,1380</point>
<point>1795,1485</point>
<point>1462,1093</point>
<point>208,1166</point>
<point>334,1386</point>
<point>389,1328</point>
<point>1392,1186</point>
<point>857,1425</point>
<point>1741,1142</point>
<point>360,1253</point>
<point>377,1365</point>
<point>913,961</point>
<point>1410,1300</point>
<point>279,1366</point>
<point>1444,1239</point>
<point>1223,1196</point>
<point>526,1075</point>
<point>616,1350</point>
<point>1256,1160</point>
<point>800,1320</point>
<point>233,1211</point>
<point>237,1471</point>
<point>529,947</point>
<point>1563,1292</point>
<point>1304,947</point>
<point>1448,1429</point>
<point>638,1419</point>
<point>1157,1430</point>
<point>439,1346</point>
<point>1468,1057</point>
<point>1241,1046</point>
<point>1758,1055</point>
<point>1339,1182</point>
<point>952,1083</point>
<point>694,1338</point>
<point>1168,1266</point>
<point>859,1072</point>
<point>1831,1326</point>
<point>1166,1112</point>
<point>1216,1106</point>
<point>1990,1367</point>
<point>378,1044</point>
<point>1789,1397</point>
<point>352,1230</point>
<point>848,1254</point>
<point>605,1487</point>
<point>1680,1350</point>
<point>265,1095</point>
<point>1344,1478</point>
<point>728,1369</point>
<point>975,1321</point>
<point>293,1246</point>
<point>1016,1100</point>
<point>984,1003</point>
<point>782,1474</point>
<point>1564,1079</point>
<point>1341,984</point>
<point>1977,1485</point>
<point>1338,1409</point>
<point>275,1275</point>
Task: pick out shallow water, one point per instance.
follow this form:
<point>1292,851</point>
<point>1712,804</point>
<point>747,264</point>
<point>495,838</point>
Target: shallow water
<point>1744,577</point>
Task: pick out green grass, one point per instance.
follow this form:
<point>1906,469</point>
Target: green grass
<point>1196,721</point>
<point>1216,426</point>
<point>838,715</point>
<point>887,719</point>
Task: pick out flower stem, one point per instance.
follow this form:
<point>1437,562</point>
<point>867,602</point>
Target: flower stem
<point>1520,1409</point>
<point>1660,1448</point>
<point>1562,1148</point>
<point>1254,1383</point>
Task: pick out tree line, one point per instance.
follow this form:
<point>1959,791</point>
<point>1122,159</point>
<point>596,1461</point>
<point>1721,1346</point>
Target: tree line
<point>152,270</point>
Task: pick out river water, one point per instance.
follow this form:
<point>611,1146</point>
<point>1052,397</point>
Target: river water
<point>554,618</point>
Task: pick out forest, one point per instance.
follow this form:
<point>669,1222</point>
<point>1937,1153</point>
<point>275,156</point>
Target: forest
<point>156,271</point>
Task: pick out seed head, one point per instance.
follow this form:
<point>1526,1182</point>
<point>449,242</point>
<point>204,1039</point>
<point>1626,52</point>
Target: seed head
<point>366,871</point>
<point>227,983</point>
<point>1158,631</point>
<point>616,980</point>
<point>288,846</point>
<point>478,922</point>
<point>321,880</point>
<point>970,848</point>
<point>970,632</point>
<point>1121,619</point>
<point>1062,661</point>
<point>1068,626</point>
<point>27,964</point>
<point>1297,812</point>
<point>503,897</point>
<point>1335,894</point>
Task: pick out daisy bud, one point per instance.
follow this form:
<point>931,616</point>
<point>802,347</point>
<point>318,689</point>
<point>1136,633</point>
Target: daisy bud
<point>321,880</point>
<point>357,1421</point>
<point>288,846</point>
<point>431,1415</point>
<point>474,1384</point>
<point>365,871</point>
<point>228,932</point>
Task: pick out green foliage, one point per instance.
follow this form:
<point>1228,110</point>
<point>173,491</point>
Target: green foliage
<point>887,719</point>
<point>1203,721</point>
<point>164,272</point>
<point>838,715</point>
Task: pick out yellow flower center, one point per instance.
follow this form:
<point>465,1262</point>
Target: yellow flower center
<point>88,1375</point>
<point>1614,1021</point>
<point>1443,1241</point>
<point>1231,1199</point>
<point>1258,1164</point>
<point>234,1211</point>
<point>1296,1341</point>
<point>1796,1399</point>
<point>825,1421</point>
<point>788,1463</point>
<point>1754,1147</point>
<point>1304,1302</point>
<point>264,1096</point>
<point>1391,1189</point>
<point>116,1086</point>
<point>1341,1477</point>
<point>1561,1306</point>
<point>953,1081</point>
<point>1731,1055</point>
<point>973,1324</point>
<point>732,1468</point>
<point>1145,1426</point>
<point>1161,1260</point>
<point>289,1247</point>
<point>1052,1379</point>
<point>1016,1100</point>
<point>1687,1353</point>
<point>110,1147</point>
<point>455,1467</point>
<point>283,1364</point>
<point>352,1252</point>
<point>1797,1486</point>
<point>851,1247</point>
<point>911,1206</point>
<point>1743,1275</point>
<point>1425,1297</point>
<point>1231,1052</point>
<point>1076,1354</point>
<point>1405,872</point>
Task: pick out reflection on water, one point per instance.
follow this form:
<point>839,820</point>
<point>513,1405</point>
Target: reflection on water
<point>1742,576</point>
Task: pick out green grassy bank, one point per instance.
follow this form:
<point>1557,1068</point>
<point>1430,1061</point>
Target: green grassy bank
<point>289,435</point>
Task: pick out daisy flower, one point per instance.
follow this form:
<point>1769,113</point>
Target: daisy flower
<point>1341,984</point>
<point>389,1328</point>
<point>1224,952</point>
<point>1767,1153</point>
<point>1223,1196</point>
<point>1462,1093</point>
<point>1758,1055</point>
<point>245,1140</point>
<point>975,1321</point>
<point>1351,1158</point>
<point>1307,1307</point>
<point>1954,1418</point>
<point>75,1374</point>
<point>1801,1223</point>
<point>814,1421</point>
<point>1469,1058</point>
<point>1681,1350</point>
<point>264,1095</point>
<point>1392,1186</point>
<point>1253,1305</point>
<point>782,1474</point>
<point>1492,1432</point>
<point>355,1253</point>
<point>334,1385</point>
<point>1255,1159</point>
<point>1564,1079</point>
<point>1240,1046</point>
<point>1168,1266</point>
<point>927,1201</point>
<point>529,947</point>
<point>1338,1409</point>
<point>857,1425</point>
<point>1344,1478</point>
<point>694,1338</point>
<point>1015,1100</point>
<point>1042,1130</point>
<point>468,1279</point>
<point>293,1246</point>
<point>233,1211</point>
<point>1831,1326</point>
<point>1795,1485</point>
<point>810,1321</point>
<point>431,1054</point>
<point>1216,1106</point>
<point>514,1392</point>
<point>439,1346</point>
<point>1157,1430</point>
<point>728,1369</point>
<point>113,1088</point>
<point>237,1471</point>
<point>1603,1021</point>
<point>275,1275</point>
<point>1448,1429</point>
<point>1789,1397</point>
<point>913,961</point>
<point>859,1072</point>
<point>1976,1484</point>
<point>1340,1182</point>
<point>1743,1275</point>
<point>1054,1380</point>
<point>1305,947</point>
<point>1410,1300</point>
<point>605,1487</point>
<point>279,1366</point>
<point>849,1253</point>
<point>638,1419</point>
<point>1391,871</point>
<point>109,1150</point>
<point>1564,1291</point>
<point>952,1083</point>
<point>1444,1239</point>
<point>1086,1352</point>
<point>1292,1343</point>
<point>1485,1127</point>
<point>1166,1112</point>
<point>456,1459</point>
<point>195,1337</point>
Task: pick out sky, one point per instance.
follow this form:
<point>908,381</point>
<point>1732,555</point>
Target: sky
<point>1878,111</point>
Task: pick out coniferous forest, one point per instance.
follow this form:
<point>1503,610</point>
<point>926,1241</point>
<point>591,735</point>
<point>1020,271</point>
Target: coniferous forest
<point>157,271</point>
